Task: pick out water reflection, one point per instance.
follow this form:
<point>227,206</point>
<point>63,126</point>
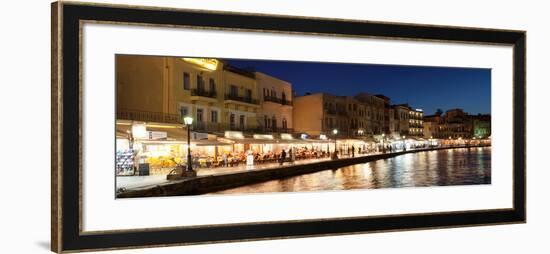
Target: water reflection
<point>462,166</point>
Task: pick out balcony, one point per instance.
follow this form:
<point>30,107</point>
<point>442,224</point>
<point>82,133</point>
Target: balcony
<point>146,116</point>
<point>222,127</point>
<point>277,100</point>
<point>248,100</point>
<point>203,93</point>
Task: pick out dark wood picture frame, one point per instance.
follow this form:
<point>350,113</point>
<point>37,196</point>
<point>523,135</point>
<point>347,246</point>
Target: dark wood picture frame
<point>67,112</point>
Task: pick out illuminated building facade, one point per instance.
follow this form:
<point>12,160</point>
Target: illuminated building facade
<point>164,89</point>
<point>416,127</point>
<point>320,113</point>
<point>276,104</point>
<point>456,123</point>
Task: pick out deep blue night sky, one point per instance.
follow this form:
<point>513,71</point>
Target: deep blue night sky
<point>428,88</point>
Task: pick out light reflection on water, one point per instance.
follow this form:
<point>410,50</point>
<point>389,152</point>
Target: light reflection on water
<point>461,166</point>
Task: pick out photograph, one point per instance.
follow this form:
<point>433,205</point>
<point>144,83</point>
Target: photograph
<point>212,126</point>
<point>175,126</point>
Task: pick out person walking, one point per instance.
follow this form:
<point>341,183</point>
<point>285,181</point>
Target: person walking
<point>224,156</point>
<point>283,157</point>
<point>352,151</point>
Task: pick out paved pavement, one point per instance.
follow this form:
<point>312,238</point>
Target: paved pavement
<point>129,182</point>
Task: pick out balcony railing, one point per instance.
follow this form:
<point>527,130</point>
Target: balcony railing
<point>203,93</point>
<point>221,127</point>
<point>159,117</point>
<point>146,116</point>
<point>234,97</point>
<point>277,100</point>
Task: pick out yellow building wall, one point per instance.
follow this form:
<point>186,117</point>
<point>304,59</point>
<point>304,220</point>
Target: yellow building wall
<point>308,114</point>
<point>140,83</point>
<point>177,68</point>
<point>240,108</point>
<point>271,109</point>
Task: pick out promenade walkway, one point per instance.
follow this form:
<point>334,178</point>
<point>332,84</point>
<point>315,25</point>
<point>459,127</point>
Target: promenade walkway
<point>129,182</point>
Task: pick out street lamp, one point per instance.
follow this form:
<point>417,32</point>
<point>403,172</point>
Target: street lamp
<point>188,121</point>
<point>404,146</point>
<point>335,132</point>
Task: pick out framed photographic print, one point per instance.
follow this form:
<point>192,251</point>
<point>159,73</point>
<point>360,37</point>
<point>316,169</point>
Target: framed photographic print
<point>175,126</point>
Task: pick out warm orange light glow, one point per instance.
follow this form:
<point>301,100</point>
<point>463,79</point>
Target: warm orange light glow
<point>207,63</point>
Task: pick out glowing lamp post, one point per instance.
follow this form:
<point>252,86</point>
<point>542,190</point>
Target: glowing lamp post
<point>188,121</point>
<point>335,132</point>
<point>404,145</point>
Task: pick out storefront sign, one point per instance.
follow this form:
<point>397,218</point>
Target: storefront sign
<point>234,134</point>
<point>156,135</point>
<point>262,136</point>
<point>198,136</point>
<point>286,136</point>
<point>250,159</point>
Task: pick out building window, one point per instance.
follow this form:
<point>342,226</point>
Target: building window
<point>233,91</point>
<point>241,121</point>
<point>232,121</point>
<point>284,124</point>
<point>183,111</point>
<point>212,85</point>
<point>214,116</point>
<point>274,123</point>
<point>248,94</point>
<point>186,81</point>
<point>200,112</point>
<point>266,122</point>
<point>200,83</point>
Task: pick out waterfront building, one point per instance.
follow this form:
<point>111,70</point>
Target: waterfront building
<point>375,112</point>
<point>401,113</point>
<point>241,103</point>
<point>391,122</point>
<point>456,124</point>
<point>320,113</point>
<point>416,128</point>
<point>408,120</point>
<point>356,112</point>
<point>276,110</point>
<point>431,125</point>
<point>164,89</point>
<point>430,129</point>
<point>481,125</point>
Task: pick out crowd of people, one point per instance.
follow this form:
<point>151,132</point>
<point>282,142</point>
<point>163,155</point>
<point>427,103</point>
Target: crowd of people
<point>231,159</point>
